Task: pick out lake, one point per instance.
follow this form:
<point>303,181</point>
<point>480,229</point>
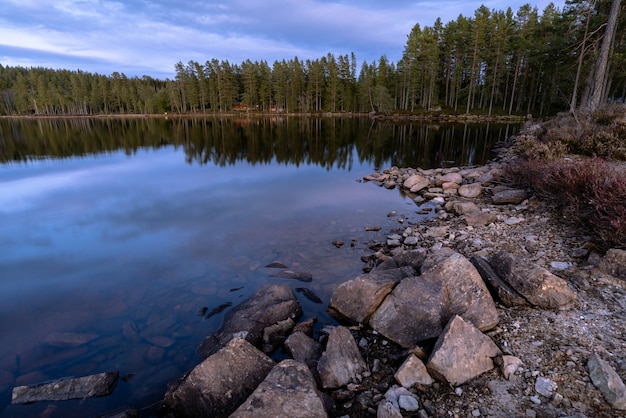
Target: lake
<point>116,232</point>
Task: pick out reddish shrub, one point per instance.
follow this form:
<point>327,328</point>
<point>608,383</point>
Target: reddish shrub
<point>588,192</point>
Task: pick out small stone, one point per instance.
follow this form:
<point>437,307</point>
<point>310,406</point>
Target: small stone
<point>476,413</point>
<point>535,399</point>
<point>557,399</point>
<point>561,265</point>
<point>458,391</point>
<point>338,243</point>
<point>408,403</point>
<point>411,240</point>
<point>531,413</point>
<point>545,387</point>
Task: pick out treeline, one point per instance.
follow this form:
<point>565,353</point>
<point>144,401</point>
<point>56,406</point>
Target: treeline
<point>496,62</point>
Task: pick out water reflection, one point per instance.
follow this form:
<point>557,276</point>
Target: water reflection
<point>166,217</point>
<point>326,142</point>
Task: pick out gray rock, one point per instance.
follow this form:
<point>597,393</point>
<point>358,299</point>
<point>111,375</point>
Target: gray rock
<point>357,299</point>
<point>303,348</point>
<point>436,231</point>
<point>302,276</point>
<point>509,196</point>
<point>614,263</point>
<point>536,284</point>
<point>266,307</point>
<point>416,182</point>
<point>275,335</point>
<point>406,322</point>
<point>101,384</point>
<point>412,240</point>
<point>471,190</point>
<point>479,218</point>
<point>466,293</point>
<point>413,371</point>
<point>388,409</point>
<point>449,285</point>
<point>408,403</point>
<point>461,353</point>
<point>508,365</point>
<point>606,379</point>
<point>341,363</point>
<point>545,387</point>
<point>449,178</point>
<point>69,339</point>
<point>218,385</point>
<point>460,208</point>
<point>289,390</point>
<point>507,295</point>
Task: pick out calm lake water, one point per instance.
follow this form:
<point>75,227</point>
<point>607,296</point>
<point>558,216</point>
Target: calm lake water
<point>114,233</point>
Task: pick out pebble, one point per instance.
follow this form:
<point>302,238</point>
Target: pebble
<point>531,413</point>
<point>535,399</point>
<point>408,403</point>
<point>476,413</point>
<point>458,391</point>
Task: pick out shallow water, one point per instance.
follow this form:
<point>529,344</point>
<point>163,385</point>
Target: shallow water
<point>115,233</point>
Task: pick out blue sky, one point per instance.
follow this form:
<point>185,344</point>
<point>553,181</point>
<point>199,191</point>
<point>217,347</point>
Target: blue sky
<point>148,37</point>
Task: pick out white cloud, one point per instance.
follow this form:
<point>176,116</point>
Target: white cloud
<point>154,35</point>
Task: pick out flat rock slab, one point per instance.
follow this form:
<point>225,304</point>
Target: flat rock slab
<point>268,306</point>
<point>101,384</point>
<point>218,385</point>
<point>289,390</point>
<point>536,284</point>
<point>341,363</point>
<point>504,292</point>
<point>461,353</point>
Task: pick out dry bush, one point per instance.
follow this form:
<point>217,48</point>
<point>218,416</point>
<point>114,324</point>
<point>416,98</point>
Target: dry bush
<point>602,133</point>
<point>587,192</point>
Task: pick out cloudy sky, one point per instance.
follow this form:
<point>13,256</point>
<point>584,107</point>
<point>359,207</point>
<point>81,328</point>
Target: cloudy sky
<point>148,37</point>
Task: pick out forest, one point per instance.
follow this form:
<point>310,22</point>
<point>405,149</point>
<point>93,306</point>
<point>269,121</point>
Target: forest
<point>493,63</point>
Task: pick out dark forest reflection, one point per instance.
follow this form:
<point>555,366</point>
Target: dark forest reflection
<point>327,142</point>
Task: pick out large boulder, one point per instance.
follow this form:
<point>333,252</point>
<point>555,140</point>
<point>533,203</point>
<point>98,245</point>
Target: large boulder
<point>289,390</point>
<point>461,353</point>
<point>357,299</point>
<point>536,284</point>
<point>419,307</point>
<point>257,319</point>
<point>218,385</point>
<point>341,363</point>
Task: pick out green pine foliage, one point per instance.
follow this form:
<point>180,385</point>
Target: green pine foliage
<point>493,63</point>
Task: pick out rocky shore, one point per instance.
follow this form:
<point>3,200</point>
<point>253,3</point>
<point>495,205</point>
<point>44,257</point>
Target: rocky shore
<point>492,308</point>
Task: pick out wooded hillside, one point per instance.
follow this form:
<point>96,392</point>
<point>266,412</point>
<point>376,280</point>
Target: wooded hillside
<point>495,62</point>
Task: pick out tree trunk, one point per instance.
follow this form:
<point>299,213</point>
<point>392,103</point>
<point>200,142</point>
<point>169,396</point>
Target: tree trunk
<point>599,82</point>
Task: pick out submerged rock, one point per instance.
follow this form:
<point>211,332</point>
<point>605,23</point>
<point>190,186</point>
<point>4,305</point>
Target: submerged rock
<point>268,306</point>
<point>101,384</point>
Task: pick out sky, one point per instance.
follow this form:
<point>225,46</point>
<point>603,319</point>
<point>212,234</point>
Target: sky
<point>148,37</point>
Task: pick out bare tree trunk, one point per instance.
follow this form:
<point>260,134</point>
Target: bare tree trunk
<point>599,84</point>
<point>581,58</point>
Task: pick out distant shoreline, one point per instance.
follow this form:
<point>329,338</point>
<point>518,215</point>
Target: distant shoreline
<point>429,117</point>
